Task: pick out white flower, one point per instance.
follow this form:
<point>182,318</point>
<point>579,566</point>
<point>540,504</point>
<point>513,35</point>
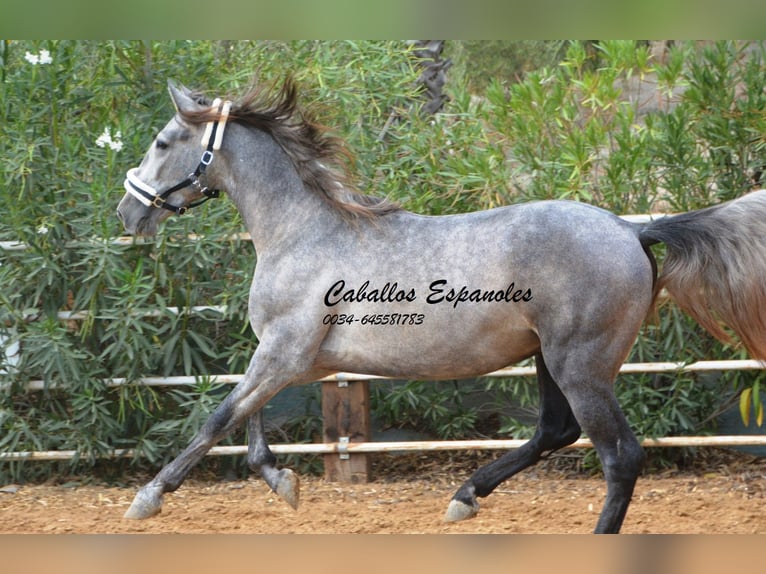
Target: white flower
<point>44,57</point>
<point>105,139</point>
<point>116,144</point>
<point>42,230</point>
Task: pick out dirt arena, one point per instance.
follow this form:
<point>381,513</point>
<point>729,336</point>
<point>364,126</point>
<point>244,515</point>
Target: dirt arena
<point>725,497</point>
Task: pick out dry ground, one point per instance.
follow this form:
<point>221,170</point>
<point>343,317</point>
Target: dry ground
<point>725,497</point>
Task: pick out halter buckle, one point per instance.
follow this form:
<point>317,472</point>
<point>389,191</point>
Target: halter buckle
<point>207,158</point>
<point>158,202</point>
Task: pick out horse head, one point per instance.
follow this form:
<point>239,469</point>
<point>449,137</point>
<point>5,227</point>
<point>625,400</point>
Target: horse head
<point>167,181</point>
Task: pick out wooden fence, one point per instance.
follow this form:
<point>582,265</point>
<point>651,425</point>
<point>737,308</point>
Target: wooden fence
<point>346,410</point>
<point>346,422</point>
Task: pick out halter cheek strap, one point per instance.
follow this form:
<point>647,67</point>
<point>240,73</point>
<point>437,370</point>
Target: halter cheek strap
<point>211,141</point>
<point>213,136</point>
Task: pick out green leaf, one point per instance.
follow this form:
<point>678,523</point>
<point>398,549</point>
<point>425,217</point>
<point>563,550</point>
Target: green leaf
<point>744,405</point>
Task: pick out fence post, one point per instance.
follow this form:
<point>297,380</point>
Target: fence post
<point>346,414</point>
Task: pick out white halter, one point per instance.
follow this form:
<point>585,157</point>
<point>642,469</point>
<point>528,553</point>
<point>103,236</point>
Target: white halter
<point>211,141</point>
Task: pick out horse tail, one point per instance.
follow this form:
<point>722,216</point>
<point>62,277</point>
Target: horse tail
<point>715,267</point>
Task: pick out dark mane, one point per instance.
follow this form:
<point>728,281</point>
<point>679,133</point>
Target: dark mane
<point>318,157</point>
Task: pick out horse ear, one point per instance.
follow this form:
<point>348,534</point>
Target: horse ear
<point>181,96</point>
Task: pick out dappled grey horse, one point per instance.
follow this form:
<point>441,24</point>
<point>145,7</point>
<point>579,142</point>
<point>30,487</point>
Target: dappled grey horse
<point>348,282</point>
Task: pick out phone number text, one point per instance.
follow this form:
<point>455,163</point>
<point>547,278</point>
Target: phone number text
<point>375,319</point>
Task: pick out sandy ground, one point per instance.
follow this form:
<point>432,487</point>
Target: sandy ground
<point>725,499</point>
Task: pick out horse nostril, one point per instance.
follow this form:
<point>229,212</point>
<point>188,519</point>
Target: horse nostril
<point>119,216</point>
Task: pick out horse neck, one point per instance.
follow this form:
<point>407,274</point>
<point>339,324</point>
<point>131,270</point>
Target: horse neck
<point>272,199</point>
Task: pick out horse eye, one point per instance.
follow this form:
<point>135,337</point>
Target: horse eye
<point>161,144</point>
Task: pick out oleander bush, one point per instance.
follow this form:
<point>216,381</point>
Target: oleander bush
<point>83,317</point>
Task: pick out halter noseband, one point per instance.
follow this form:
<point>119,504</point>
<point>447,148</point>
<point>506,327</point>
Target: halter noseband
<point>211,141</point>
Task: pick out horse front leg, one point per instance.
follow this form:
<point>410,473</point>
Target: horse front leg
<point>148,500</point>
<point>284,482</point>
<point>267,374</point>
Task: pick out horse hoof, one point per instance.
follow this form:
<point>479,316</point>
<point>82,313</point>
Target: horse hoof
<point>459,510</point>
<point>288,487</point>
<point>144,506</point>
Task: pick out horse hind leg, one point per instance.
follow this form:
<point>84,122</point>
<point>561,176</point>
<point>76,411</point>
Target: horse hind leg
<point>622,457</point>
<point>284,482</point>
<point>556,428</point>
<point>586,379</point>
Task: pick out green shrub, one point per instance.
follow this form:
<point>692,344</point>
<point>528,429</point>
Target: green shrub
<point>560,130</point>
<point>58,194</point>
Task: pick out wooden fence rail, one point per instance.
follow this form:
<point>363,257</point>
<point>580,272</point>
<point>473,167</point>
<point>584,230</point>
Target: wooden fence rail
<point>627,368</point>
<point>339,448</point>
